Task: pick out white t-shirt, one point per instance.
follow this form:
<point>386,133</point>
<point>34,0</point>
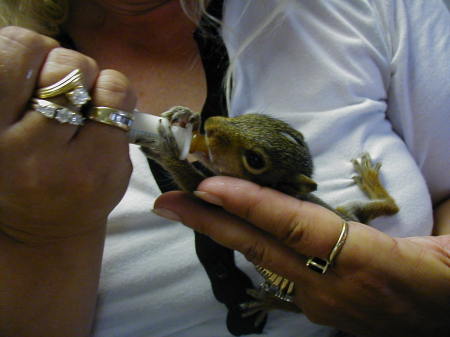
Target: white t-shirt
<point>353,76</point>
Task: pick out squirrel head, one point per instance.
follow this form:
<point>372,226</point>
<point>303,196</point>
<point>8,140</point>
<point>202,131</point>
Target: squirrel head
<point>258,148</point>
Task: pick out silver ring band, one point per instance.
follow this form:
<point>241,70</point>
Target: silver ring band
<point>55,111</point>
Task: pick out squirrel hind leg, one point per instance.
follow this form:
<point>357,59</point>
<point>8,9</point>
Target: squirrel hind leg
<point>263,302</point>
<point>364,212</point>
<point>368,180</point>
<point>272,294</point>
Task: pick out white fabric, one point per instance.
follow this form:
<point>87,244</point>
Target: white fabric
<point>328,67</point>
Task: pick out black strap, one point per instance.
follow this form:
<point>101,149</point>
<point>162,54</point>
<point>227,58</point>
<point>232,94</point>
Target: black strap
<point>228,282</point>
<point>214,60</point>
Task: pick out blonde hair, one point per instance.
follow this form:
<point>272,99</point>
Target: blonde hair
<point>46,16</point>
<point>42,16</point>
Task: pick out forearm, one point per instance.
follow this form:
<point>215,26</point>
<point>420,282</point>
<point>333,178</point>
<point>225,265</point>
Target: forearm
<point>49,290</point>
<point>442,218</point>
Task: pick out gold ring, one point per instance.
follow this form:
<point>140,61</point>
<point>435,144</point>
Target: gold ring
<point>71,86</point>
<point>111,116</point>
<point>320,265</point>
<point>55,111</point>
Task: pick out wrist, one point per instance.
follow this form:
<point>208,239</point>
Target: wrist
<point>42,235</point>
<point>428,306</point>
<point>60,276</point>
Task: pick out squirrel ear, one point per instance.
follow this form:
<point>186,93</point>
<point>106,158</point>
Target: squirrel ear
<point>305,184</point>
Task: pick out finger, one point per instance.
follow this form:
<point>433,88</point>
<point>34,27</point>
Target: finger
<point>58,64</point>
<point>308,228</point>
<point>113,90</point>
<point>108,144</point>
<point>356,257</point>
<point>231,231</point>
<point>22,53</point>
<point>61,61</point>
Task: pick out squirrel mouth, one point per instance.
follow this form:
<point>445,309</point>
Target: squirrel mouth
<point>200,149</point>
<point>199,143</point>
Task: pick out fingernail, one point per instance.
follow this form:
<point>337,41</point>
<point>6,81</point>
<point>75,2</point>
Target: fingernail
<point>167,214</point>
<point>208,197</point>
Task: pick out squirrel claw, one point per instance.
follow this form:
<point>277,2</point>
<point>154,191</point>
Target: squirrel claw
<point>367,177</point>
<point>161,148</point>
<point>182,116</point>
<point>168,143</point>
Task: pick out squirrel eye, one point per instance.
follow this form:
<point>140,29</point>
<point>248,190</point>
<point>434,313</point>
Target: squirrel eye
<point>254,161</point>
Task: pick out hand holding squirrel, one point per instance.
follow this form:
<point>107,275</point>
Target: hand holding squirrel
<point>270,153</point>
<point>279,232</point>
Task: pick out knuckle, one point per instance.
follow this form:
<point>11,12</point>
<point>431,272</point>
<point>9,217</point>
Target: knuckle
<point>294,232</point>
<point>294,228</point>
<point>61,61</point>
<point>112,81</point>
<point>297,230</point>
<point>112,88</point>
<point>255,252</point>
<point>22,52</point>
<point>25,39</point>
<point>66,56</point>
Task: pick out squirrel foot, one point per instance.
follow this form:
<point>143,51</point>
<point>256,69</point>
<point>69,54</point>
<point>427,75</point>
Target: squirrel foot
<point>368,180</point>
<point>264,302</point>
<point>368,177</point>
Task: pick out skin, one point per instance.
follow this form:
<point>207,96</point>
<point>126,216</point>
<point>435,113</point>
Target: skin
<point>53,249</point>
<point>442,219</point>
<point>62,181</point>
<point>153,52</point>
<point>50,233</point>
<point>360,291</point>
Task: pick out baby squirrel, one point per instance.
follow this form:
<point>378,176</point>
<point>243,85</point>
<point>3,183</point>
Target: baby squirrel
<point>269,152</point>
<point>264,150</point>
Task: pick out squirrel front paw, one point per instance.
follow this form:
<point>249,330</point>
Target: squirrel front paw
<point>163,148</point>
<point>182,116</point>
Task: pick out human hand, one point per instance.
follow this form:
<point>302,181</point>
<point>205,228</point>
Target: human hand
<point>57,180</point>
<point>378,286</point>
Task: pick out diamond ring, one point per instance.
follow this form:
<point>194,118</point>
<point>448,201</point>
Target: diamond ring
<point>111,116</point>
<point>71,86</point>
<point>55,111</point>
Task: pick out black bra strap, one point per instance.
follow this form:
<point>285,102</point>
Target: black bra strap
<point>228,282</point>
